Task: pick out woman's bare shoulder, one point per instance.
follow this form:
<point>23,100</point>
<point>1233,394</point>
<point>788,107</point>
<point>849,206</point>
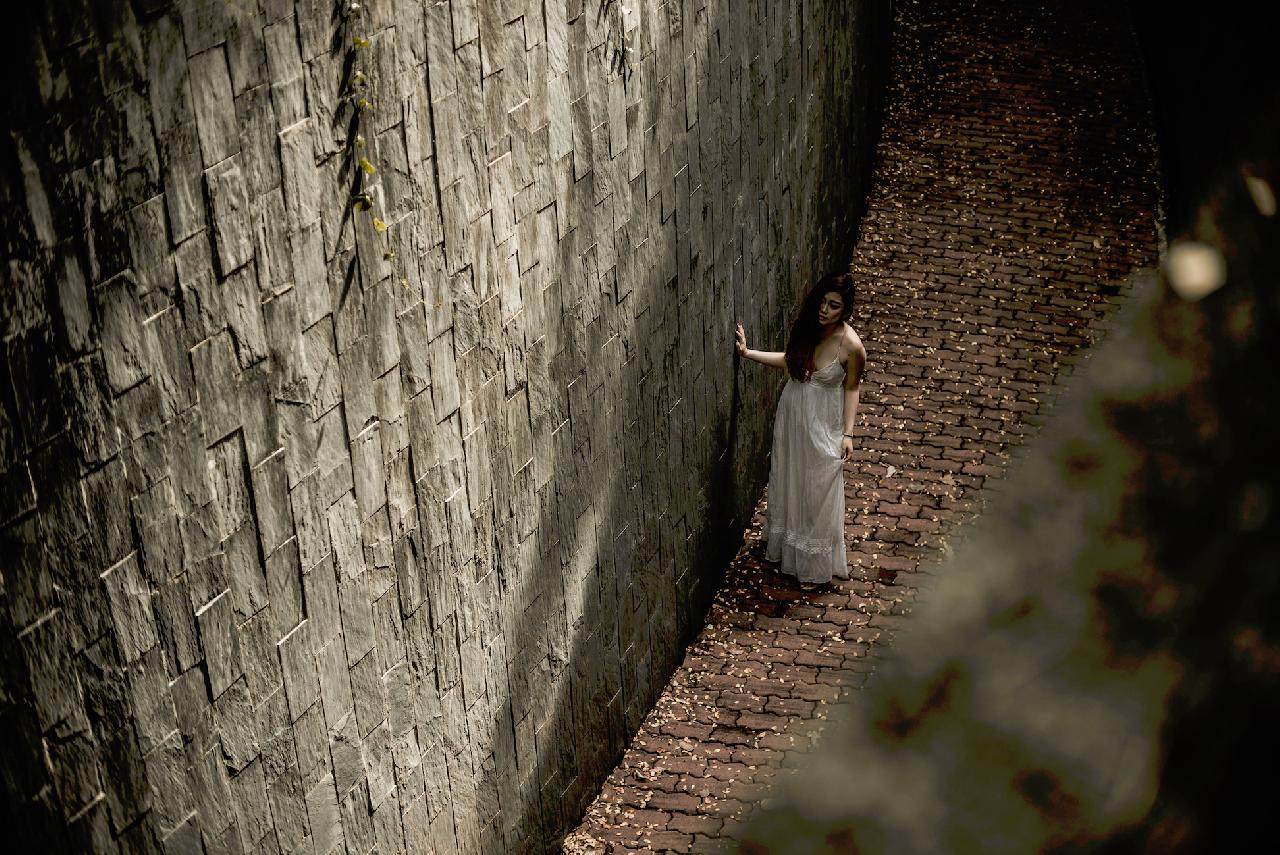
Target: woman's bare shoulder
<point>853,343</point>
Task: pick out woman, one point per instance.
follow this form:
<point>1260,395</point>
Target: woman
<point>813,433</point>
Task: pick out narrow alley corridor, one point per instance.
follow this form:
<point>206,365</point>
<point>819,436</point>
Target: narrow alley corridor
<point>1014,193</point>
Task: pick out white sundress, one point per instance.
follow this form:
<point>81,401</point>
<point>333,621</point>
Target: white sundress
<point>804,519</point>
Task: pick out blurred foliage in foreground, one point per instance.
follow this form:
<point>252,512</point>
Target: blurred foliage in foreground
<point>1096,666</point>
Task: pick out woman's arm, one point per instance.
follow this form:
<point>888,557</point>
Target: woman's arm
<point>852,388</point>
<point>772,358</point>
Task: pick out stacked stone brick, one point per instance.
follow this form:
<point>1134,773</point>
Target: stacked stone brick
<point>324,538</point>
<point>1014,193</point>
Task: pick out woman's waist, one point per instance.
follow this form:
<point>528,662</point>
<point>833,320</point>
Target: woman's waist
<point>812,384</point>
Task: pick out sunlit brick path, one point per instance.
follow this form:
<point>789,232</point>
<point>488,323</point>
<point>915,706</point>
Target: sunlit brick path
<point>1014,192</point>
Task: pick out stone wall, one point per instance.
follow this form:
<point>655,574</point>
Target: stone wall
<point>370,435</point>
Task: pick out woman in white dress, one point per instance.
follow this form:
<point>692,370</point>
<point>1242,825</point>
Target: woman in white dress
<point>813,433</point>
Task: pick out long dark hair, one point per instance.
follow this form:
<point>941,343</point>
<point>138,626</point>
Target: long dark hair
<point>806,330</point>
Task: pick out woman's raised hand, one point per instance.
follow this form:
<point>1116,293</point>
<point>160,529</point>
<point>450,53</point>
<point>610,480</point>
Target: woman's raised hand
<point>740,341</point>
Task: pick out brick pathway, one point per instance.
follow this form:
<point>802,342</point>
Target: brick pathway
<point>1013,194</point>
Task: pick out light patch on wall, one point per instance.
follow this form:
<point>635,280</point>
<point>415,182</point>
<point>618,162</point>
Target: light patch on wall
<point>1195,269</point>
<point>1264,198</point>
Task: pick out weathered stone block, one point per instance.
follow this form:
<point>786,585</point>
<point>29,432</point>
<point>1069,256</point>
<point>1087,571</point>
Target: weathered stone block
<point>144,452</point>
<point>246,56</point>
<point>176,622</point>
<point>271,502</point>
<point>214,108</point>
<point>57,698</point>
<point>402,508</point>
<point>367,470</point>
<point>169,363</point>
<point>167,80</point>
<point>310,521</point>
<point>73,300</point>
<point>335,682</point>
<point>284,583</point>
<point>298,665</point>
<point>271,249</point>
<point>199,296</point>
<point>370,699</point>
<point>201,545</point>
<point>217,375</point>
<point>205,23</point>
<point>220,640</point>
<point>389,404</point>
<point>312,279</point>
<point>252,809</point>
<point>280,40</point>
<point>212,792</point>
<point>376,749</point>
<point>248,578</point>
<point>357,616</point>
<point>298,171</point>
<point>228,485</point>
<point>357,823</point>
<point>94,432</point>
<point>344,534</point>
<point>260,414</point>
<point>232,219</point>
<point>344,748</point>
<point>262,662</point>
<point>410,572</point>
<point>289,810</point>
<point>151,702</point>
<point>130,599</point>
<point>244,316</point>
<point>149,246</point>
<point>320,584</point>
<point>322,84</point>
<point>236,726</point>
<point>312,741</point>
<point>444,378</point>
<point>110,537</point>
<point>315,30</point>
<point>171,787</point>
<point>321,370</point>
<point>375,538</point>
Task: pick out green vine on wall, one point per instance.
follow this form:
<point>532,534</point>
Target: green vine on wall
<point>358,95</point>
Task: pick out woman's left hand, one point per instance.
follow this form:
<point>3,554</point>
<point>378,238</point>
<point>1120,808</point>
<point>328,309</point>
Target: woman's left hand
<point>846,449</point>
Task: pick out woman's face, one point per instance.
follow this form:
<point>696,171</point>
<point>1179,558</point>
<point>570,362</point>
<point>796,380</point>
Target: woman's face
<point>831,308</point>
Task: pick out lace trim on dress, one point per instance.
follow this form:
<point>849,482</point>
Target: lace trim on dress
<point>802,542</point>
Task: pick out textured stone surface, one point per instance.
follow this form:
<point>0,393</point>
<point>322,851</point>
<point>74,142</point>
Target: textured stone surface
<point>382,528</point>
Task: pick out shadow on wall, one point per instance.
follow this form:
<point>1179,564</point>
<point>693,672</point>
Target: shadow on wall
<point>652,575</point>
<point>1098,664</point>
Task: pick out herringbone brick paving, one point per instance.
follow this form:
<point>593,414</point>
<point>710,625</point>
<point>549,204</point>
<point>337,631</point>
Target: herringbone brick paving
<point>1014,192</point>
